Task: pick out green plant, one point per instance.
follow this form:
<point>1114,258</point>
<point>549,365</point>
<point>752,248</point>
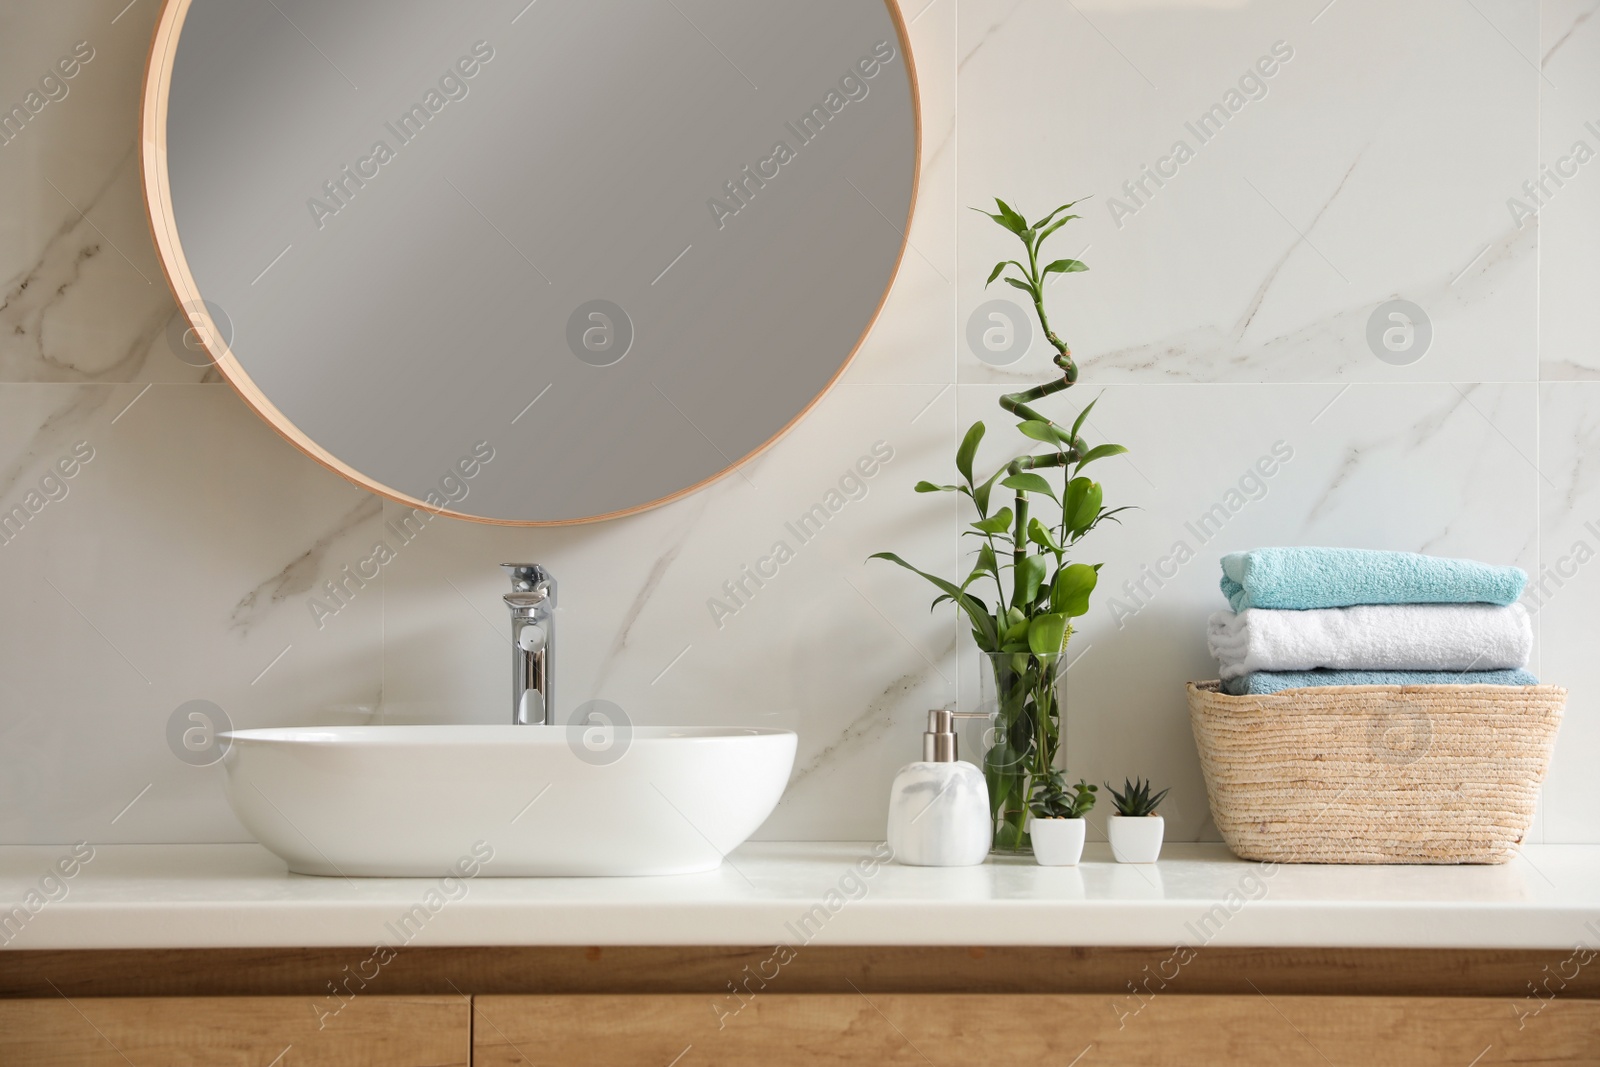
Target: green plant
<point>1025,629</point>
<point>1050,798</point>
<point>1135,798</point>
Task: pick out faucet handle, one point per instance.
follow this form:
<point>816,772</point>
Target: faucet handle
<point>531,578</point>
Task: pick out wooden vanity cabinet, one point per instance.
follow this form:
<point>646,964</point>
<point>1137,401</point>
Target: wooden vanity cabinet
<point>916,1029</point>
<point>380,1031</point>
<point>703,1006</point>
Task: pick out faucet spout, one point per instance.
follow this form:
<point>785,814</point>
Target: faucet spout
<point>532,601</point>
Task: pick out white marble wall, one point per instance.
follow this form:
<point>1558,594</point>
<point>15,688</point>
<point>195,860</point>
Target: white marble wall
<point>1227,312</point>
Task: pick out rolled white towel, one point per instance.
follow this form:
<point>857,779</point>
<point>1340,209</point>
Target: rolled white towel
<point>1372,637</point>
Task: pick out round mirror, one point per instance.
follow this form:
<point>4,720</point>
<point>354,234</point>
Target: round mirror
<point>530,261</point>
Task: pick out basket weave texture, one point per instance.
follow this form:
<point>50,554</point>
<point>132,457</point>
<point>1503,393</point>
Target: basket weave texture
<point>1375,774</point>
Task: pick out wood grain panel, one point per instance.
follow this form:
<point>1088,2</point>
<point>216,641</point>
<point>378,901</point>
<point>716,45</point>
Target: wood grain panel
<point>235,1032</point>
<point>818,969</point>
<point>917,1029</point>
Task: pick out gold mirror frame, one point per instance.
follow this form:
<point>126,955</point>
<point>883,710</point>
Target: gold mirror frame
<point>169,249</point>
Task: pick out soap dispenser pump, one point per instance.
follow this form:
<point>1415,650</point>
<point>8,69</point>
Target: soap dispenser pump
<point>939,806</point>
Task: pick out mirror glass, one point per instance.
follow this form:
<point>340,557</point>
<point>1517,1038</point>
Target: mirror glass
<point>531,262</point>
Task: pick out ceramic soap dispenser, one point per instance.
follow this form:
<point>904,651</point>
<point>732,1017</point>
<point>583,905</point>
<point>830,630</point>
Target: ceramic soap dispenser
<point>939,806</point>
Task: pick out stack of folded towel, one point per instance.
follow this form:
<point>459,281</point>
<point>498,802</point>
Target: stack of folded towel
<point>1347,616</point>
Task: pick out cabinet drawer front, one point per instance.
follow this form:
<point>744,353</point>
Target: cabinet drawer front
<point>777,1030</point>
<point>229,1031</point>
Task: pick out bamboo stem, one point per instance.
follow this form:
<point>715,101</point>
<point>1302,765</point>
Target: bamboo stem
<point>1035,695</point>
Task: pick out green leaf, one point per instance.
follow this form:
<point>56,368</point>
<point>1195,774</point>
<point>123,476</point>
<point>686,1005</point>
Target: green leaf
<point>1007,218</point>
<point>999,522</point>
<point>1041,536</point>
<point>1083,416</point>
<point>980,494</point>
<point>1073,584</point>
<point>1065,266</point>
<point>1046,220</point>
<point>1082,507</point>
<point>1135,798</point>
<point>1047,634</point>
<point>1029,577</point>
<point>1040,431</point>
<point>998,267</point>
<point>1024,286</point>
<point>987,563</point>
<point>1056,225</point>
<point>1015,626</point>
<point>1014,219</point>
<point>1100,452</point>
<point>942,597</point>
<point>1048,432</point>
<point>972,606</point>
<point>969,449</point>
<point>1029,483</point>
<point>1077,488</point>
<point>929,487</point>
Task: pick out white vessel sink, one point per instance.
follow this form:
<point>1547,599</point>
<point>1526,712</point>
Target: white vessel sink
<point>417,801</point>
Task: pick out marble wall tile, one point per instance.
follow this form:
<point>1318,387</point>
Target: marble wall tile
<point>1562,596</point>
<point>173,565</point>
<point>1227,313</point>
<point>1566,198</point>
<point>1373,163</point>
<point>83,297</point>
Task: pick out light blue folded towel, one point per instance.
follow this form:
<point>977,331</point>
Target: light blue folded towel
<point>1263,682</point>
<point>1341,577</point>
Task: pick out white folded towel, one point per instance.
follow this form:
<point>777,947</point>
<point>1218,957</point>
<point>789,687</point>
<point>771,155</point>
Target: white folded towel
<point>1372,637</point>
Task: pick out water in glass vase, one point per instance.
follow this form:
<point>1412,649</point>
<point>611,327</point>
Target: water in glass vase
<point>1019,690</point>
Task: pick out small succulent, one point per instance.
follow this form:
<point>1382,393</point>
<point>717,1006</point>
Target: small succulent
<point>1135,798</point>
<point>1053,799</point>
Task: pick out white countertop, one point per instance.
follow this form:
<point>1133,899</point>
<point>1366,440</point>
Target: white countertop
<point>209,896</point>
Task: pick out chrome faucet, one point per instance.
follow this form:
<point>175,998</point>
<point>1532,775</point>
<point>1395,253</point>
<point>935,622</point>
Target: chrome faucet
<point>532,601</point>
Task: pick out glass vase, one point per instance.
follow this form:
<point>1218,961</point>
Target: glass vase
<point>1019,690</point>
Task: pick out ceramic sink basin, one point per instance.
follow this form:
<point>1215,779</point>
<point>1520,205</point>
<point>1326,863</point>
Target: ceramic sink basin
<point>417,801</point>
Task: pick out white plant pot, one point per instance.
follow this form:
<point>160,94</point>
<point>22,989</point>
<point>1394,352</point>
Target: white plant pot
<point>1057,842</point>
<point>1136,838</point>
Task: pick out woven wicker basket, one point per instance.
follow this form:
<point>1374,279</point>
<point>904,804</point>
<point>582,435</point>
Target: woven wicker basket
<point>1375,774</point>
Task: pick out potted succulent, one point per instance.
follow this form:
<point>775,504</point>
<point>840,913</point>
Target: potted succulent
<point>1135,830</point>
<point>1024,587</point>
<point>1057,824</point>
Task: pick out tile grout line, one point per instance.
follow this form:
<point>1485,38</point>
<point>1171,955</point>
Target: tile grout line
<point>1538,393</point>
<point>383,621</point>
<point>958,670</point>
